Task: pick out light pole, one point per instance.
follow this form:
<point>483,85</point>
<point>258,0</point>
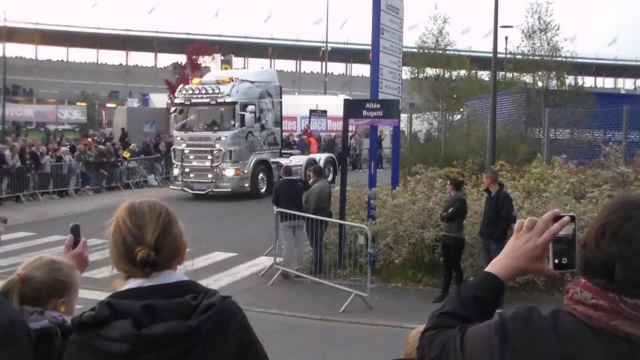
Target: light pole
<point>4,79</point>
<point>506,48</point>
<point>326,51</point>
<point>491,135</point>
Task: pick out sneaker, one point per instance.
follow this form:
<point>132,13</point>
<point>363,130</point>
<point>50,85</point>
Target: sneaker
<point>440,298</point>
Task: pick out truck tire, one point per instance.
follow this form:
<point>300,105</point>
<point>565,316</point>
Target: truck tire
<point>330,171</point>
<point>261,184</point>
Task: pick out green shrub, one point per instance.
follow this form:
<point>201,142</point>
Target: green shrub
<point>406,226</point>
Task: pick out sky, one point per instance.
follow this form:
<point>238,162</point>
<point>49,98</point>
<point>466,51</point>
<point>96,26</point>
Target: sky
<point>597,28</point>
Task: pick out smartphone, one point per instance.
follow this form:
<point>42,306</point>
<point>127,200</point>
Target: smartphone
<point>563,249</point>
<point>74,230</point>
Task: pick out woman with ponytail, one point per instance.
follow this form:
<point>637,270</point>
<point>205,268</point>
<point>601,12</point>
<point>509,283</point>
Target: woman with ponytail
<point>45,289</point>
<point>157,313</point>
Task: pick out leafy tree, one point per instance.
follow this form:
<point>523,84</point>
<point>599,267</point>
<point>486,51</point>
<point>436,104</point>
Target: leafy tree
<point>194,53</point>
<point>91,99</point>
<point>444,81</point>
<point>541,42</point>
<point>541,50</point>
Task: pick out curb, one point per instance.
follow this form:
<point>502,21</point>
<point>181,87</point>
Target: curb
<point>383,324</point>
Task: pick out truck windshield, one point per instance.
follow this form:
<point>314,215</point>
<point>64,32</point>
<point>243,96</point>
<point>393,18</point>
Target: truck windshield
<point>205,118</point>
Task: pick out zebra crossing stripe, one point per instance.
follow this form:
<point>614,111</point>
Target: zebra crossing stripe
<point>14,260</point>
<point>36,242</point>
<point>93,294</point>
<point>16,235</point>
<point>189,265</point>
<point>239,272</point>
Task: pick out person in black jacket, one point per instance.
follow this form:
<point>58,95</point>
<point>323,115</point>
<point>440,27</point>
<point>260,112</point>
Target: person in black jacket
<point>157,313</point>
<point>601,313</point>
<point>16,341</point>
<point>453,215</point>
<point>497,217</point>
<point>287,195</point>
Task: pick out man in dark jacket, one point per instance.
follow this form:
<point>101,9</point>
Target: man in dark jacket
<point>317,201</point>
<point>497,217</point>
<point>287,195</point>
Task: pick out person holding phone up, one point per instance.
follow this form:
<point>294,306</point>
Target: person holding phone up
<point>600,318</point>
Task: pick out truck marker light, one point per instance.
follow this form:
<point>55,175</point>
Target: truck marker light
<point>196,81</point>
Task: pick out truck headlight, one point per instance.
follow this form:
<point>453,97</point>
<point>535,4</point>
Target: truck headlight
<point>231,172</point>
<point>176,171</point>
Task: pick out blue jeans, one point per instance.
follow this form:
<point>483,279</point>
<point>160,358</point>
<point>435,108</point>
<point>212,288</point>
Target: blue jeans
<point>491,249</point>
<point>85,179</point>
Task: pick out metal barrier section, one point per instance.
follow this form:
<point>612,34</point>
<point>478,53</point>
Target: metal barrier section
<point>324,250</point>
<point>69,178</point>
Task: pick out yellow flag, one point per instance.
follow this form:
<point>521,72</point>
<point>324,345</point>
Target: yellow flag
<point>126,154</point>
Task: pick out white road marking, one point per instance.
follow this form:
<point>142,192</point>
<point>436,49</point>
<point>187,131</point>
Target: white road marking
<point>36,242</point>
<point>239,272</point>
<point>15,235</point>
<point>93,294</point>
<point>190,265</point>
<point>58,250</point>
<point>205,260</point>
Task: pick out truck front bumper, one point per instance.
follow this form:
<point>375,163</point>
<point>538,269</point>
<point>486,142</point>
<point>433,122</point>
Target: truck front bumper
<point>225,185</point>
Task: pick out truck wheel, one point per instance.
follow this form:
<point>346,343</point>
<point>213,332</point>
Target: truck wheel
<point>261,182</point>
<point>330,171</point>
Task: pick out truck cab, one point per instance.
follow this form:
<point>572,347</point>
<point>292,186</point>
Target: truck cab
<point>227,135</point>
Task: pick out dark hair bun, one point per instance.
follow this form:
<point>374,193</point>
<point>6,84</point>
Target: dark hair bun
<point>146,260</point>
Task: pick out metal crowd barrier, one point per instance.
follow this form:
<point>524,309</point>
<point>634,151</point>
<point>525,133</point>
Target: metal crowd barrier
<point>324,250</point>
<point>71,178</point>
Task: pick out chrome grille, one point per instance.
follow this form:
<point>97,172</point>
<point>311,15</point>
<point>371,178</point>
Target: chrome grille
<point>189,156</point>
<point>199,174</point>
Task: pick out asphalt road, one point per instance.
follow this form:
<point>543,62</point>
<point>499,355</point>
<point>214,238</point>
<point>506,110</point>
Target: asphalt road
<point>228,237</point>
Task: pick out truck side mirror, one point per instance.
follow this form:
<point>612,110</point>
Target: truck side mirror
<point>249,120</point>
<point>250,116</point>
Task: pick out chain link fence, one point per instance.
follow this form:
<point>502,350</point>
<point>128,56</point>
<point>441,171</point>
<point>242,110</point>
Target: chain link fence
<point>525,130</point>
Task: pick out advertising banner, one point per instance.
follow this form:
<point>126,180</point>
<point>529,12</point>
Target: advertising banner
<point>290,124</point>
<point>334,125</point>
<point>330,125</point>
<point>69,114</point>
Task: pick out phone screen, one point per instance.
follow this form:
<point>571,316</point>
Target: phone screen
<point>563,249</point>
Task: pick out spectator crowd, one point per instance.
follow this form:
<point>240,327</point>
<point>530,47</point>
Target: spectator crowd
<point>57,168</point>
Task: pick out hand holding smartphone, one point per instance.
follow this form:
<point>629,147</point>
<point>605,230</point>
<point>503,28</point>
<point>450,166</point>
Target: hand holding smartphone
<point>74,230</point>
<point>563,248</point>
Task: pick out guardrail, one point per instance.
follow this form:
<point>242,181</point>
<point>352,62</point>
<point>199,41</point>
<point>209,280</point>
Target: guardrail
<point>324,250</point>
<point>70,178</point>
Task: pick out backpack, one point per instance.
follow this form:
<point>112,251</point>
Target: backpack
<point>514,214</point>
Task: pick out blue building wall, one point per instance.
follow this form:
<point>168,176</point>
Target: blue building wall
<point>599,117</point>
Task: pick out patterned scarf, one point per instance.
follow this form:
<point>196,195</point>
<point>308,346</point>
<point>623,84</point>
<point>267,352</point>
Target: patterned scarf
<point>603,309</point>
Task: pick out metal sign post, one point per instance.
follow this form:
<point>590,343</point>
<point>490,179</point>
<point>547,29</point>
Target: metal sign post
<point>386,76</point>
<point>362,112</point>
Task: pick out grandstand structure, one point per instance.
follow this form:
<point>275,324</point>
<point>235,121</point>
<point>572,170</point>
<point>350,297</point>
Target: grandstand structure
<point>56,81</point>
